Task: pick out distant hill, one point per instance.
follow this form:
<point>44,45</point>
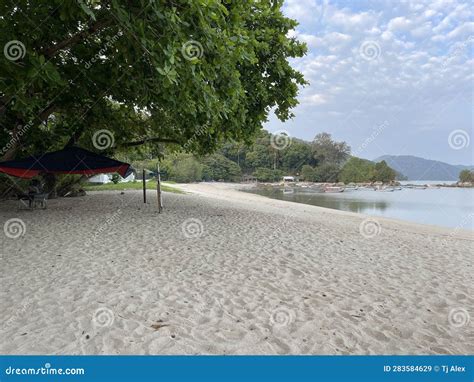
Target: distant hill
<point>415,168</point>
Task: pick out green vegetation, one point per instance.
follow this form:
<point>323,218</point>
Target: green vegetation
<point>271,157</point>
<point>362,170</point>
<point>150,185</point>
<point>190,73</point>
<point>267,175</point>
<point>466,176</point>
<point>218,167</point>
<point>383,173</point>
<point>200,77</point>
<point>357,170</point>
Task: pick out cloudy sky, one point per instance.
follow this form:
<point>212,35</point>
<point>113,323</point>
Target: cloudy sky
<point>388,77</point>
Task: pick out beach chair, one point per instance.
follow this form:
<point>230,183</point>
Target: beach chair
<point>32,201</point>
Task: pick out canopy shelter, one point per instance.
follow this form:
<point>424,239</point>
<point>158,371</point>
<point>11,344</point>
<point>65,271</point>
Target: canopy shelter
<point>70,160</point>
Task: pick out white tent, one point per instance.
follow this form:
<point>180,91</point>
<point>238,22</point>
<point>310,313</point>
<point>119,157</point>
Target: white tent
<point>100,178</point>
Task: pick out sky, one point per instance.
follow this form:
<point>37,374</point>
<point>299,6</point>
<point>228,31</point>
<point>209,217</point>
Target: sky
<point>387,77</point>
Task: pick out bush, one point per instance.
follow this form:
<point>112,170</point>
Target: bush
<point>182,168</point>
<point>218,167</point>
<point>267,175</point>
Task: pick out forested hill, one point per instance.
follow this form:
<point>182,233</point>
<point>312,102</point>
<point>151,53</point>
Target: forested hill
<point>416,168</point>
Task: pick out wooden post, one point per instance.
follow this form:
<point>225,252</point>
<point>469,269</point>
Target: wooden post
<point>158,189</point>
<point>144,187</point>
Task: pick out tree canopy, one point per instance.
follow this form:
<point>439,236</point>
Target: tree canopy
<point>194,73</point>
<point>362,170</point>
<point>268,159</point>
<point>466,176</point>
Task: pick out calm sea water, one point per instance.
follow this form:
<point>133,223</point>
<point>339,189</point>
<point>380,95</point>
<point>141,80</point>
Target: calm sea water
<point>448,207</point>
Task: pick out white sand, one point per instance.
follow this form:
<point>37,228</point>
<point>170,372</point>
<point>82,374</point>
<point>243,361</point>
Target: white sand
<point>251,275</point>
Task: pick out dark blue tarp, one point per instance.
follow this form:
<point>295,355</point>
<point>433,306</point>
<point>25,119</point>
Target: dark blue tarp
<point>70,160</point>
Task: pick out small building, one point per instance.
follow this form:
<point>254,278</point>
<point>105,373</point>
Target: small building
<point>288,178</point>
<point>107,178</point>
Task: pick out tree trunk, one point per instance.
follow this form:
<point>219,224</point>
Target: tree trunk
<point>50,182</point>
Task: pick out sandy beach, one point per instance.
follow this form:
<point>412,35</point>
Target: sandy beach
<point>226,272</point>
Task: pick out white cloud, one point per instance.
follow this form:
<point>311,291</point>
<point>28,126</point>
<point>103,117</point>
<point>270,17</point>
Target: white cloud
<point>424,62</point>
<point>348,20</point>
<point>399,24</point>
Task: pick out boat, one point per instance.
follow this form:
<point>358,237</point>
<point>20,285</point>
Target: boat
<point>333,189</point>
<point>415,186</point>
<point>351,188</point>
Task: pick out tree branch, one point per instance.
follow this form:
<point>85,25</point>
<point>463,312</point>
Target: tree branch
<point>98,25</point>
<point>146,140</point>
<point>75,136</point>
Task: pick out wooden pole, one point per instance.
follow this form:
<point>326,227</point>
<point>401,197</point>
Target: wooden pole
<point>144,187</point>
<point>158,189</point>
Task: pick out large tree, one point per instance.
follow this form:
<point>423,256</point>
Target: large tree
<point>327,151</point>
<point>189,72</point>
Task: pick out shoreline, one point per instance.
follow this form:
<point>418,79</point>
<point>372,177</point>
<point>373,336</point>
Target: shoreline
<point>221,271</point>
<point>233,192</point>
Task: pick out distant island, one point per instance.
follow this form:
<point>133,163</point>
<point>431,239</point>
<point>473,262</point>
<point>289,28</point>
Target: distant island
<point>416,168</point>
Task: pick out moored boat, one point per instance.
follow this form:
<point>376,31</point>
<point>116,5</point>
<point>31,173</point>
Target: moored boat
<point>333,189</point>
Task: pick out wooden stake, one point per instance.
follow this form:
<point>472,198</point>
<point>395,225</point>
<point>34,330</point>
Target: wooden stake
<point>158,190</point>
<point>144,187</point>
